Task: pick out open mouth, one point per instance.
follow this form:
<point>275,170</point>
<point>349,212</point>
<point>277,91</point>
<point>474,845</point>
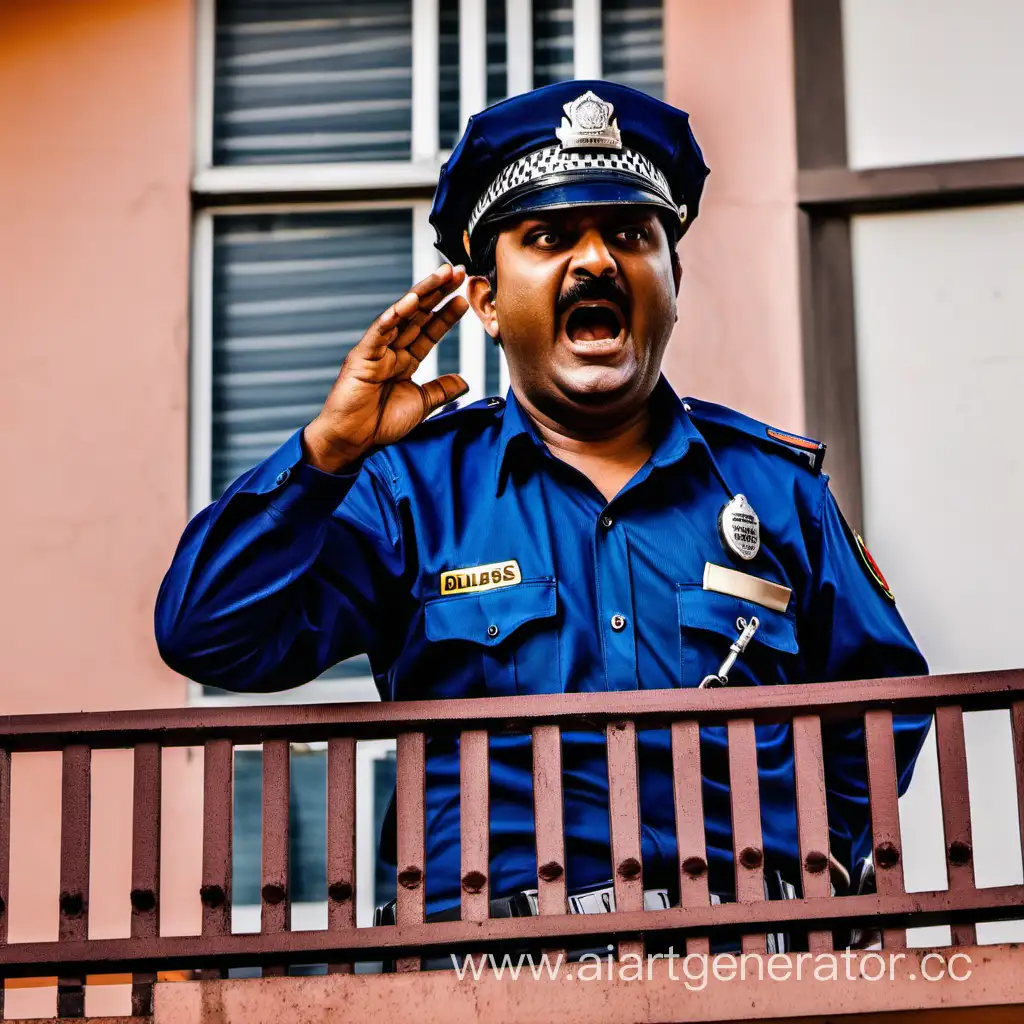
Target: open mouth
<point>595,321</point>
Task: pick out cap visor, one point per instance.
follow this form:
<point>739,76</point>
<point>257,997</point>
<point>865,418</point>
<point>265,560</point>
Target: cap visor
<point>591,193</point>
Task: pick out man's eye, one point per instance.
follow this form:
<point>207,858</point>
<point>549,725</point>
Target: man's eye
<point>544,239</point>
<point>634,234</point>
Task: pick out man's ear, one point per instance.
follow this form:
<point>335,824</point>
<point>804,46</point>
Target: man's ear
<point>677,269</point>
<point>481,298</point>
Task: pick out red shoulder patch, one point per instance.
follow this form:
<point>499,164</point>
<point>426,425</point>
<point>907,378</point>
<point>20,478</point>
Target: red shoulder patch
<point>872,567</point>
<point>813,451</point>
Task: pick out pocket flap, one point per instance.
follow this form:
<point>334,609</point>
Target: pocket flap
<point>489,617</point>
<point>706,609</point>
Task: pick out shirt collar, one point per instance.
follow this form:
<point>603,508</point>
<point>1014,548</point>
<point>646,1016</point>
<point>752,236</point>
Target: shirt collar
<point>674,430</point>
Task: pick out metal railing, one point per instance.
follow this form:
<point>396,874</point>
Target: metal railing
<point>620,714</point>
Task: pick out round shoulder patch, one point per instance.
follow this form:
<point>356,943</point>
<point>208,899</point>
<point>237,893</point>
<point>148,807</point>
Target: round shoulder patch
<point>872,567</point>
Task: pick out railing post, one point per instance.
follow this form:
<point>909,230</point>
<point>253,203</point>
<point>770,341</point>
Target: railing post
<point>275,909</point>
<point>812,819</point>
<point>687,784</point>
<point>410,904</point>
<point>748,848</point>
<point>1017,723</point>
<point>885,815</point>
<point>76,786</point>
<point>218,793</point>
<point>5,853</point>
<point>145,892</point>
<point>548,822</point>
<point>624,818</point>
<point>474,812</point>
<point>341,841</point>
<point>956,811</point>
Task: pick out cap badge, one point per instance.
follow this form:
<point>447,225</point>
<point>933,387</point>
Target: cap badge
<point>740,529</point>
<point>588,124</point>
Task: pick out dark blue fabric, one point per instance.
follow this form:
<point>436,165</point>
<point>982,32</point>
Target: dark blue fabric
<point>514,127</point>
<point>291,571</point>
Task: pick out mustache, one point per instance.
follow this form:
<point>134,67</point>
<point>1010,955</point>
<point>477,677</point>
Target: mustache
<point>593,289</point>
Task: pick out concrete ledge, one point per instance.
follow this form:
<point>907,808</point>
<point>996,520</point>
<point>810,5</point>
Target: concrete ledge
<point>676,991</point>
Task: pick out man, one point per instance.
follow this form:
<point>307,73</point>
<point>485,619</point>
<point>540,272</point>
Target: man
<point>591,532</point>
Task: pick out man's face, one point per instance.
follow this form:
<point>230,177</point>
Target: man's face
<point>584,307</point>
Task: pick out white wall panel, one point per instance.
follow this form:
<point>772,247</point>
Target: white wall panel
<point>940,328</point>
<point>933,80</point>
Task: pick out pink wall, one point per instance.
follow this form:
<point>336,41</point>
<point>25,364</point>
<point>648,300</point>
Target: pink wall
<point>730,64</point>
<point>95,103</point>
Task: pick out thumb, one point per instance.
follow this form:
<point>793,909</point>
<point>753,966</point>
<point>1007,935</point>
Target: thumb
<point>441,391</point>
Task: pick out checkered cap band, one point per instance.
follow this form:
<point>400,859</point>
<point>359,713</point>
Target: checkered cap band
<point>555,160</point>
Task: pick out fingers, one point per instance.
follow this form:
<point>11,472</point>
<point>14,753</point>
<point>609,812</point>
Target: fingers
<point>408,312</point>
<point>436,328</point>
<point>442,391</point>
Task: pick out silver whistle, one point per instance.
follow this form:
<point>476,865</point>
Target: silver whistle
<point>747,631</point>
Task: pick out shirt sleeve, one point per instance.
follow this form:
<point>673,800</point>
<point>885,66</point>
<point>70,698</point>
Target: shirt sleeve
<point>288,573</point>
<point>858,633</point>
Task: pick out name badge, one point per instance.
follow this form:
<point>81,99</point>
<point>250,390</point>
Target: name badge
<point>746,587</point>
<point>481,577</point>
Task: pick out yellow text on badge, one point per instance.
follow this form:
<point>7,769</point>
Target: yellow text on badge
<point>746,587</point>
<point>481,577</point>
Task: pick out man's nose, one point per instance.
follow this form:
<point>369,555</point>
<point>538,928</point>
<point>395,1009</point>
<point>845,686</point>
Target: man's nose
<point>591,255</point>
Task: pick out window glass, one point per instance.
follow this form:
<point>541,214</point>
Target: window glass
<point>312,81</point>
<point>632,38</point>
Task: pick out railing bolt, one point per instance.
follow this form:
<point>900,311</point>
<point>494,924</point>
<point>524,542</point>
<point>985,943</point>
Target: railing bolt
<point>815,862</point>
<point>630,868</point>
<point>474,881</point>
<point>273,893</point>
<point>410,877</point>
<point>550,872</point>
<point>143,900</point>
<point>960,853</point>
<point>71,904</point>
<point>751,857</point>
<point>340,892</point>
<point>695,866</point>
<point>212,896</point>
<point>886,855</point>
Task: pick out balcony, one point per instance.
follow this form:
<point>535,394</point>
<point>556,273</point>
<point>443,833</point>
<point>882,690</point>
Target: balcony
<point>822,983</point>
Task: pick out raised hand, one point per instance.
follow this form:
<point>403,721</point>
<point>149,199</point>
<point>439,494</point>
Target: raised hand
<point>374,401</point>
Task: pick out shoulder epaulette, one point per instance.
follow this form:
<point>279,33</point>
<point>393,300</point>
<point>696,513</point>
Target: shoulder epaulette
<point>807,449</point>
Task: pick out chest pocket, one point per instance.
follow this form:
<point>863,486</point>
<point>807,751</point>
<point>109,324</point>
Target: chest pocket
<point>707,628</point>
<point>513,631</point>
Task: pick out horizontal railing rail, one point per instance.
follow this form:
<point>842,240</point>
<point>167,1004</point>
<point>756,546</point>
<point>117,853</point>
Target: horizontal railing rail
<point>695,919</point>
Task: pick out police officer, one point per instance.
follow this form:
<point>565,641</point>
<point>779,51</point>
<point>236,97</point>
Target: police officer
<point>589,532</point>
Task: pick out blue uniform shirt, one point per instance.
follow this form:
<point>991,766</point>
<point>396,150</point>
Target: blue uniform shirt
<point>294,569</point>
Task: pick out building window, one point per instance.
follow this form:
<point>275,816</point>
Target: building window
<point>321,128</point>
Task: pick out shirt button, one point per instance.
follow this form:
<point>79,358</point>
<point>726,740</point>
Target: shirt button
<point>606,522</point>
<point>283,476</point>
<point>492,630</point>
<point>618,623</point>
